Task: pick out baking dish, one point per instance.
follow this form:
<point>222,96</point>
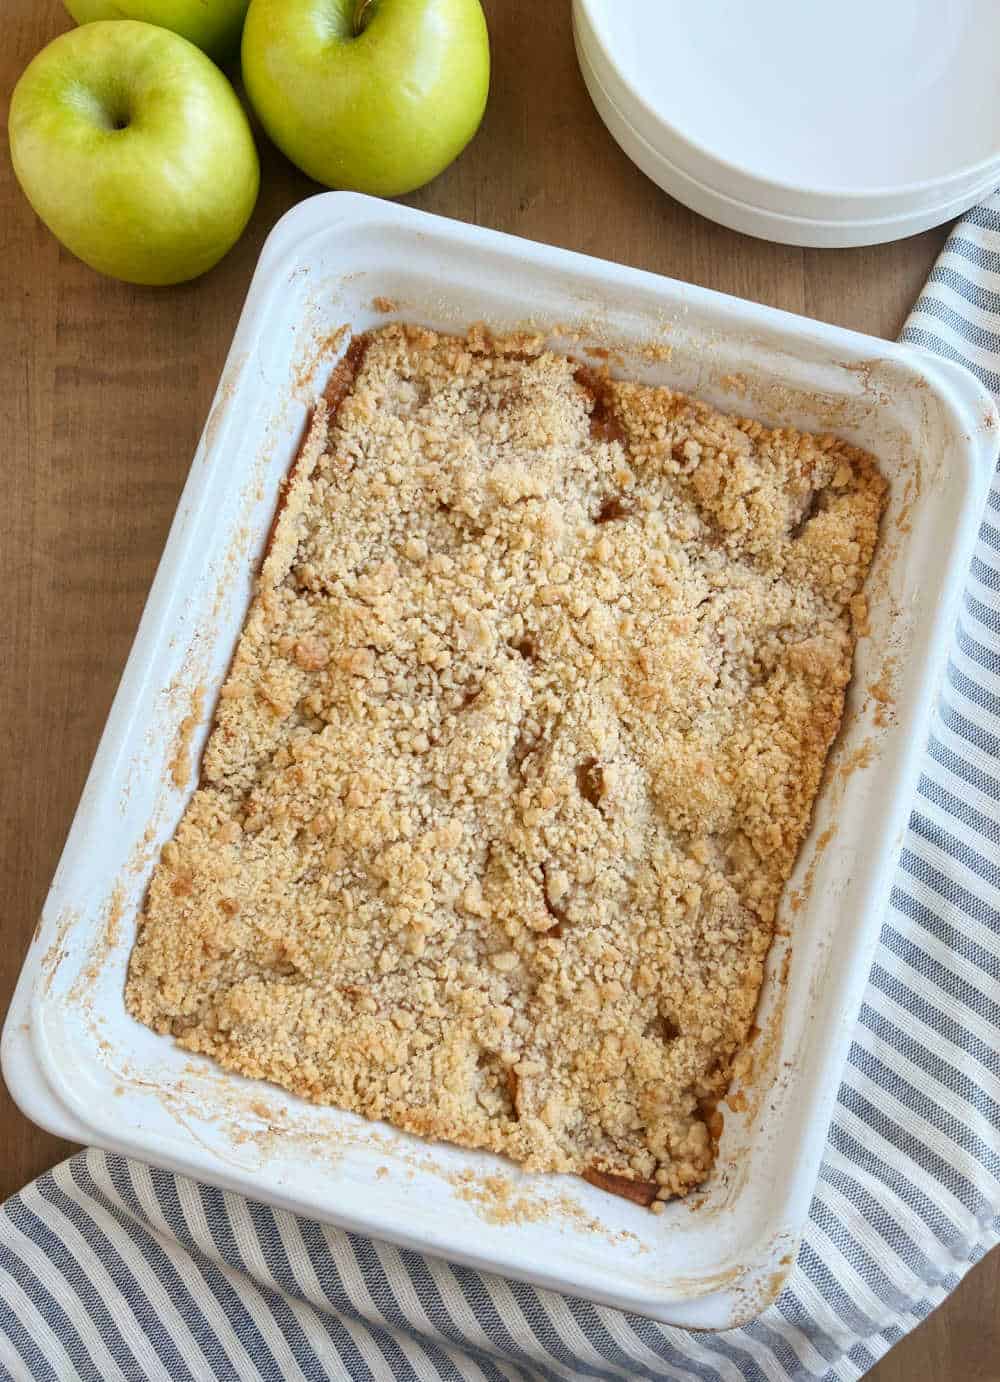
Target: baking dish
<point>77,1063</point>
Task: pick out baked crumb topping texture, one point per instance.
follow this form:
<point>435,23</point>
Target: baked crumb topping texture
<point>518,746</point>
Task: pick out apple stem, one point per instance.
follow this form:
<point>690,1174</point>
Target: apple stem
<point>363,13</point>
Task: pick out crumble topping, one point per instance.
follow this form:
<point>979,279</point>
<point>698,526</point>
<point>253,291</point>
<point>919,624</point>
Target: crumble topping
<point>519,743</point>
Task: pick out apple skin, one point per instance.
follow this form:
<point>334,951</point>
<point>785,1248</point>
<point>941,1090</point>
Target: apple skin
<point>383,111</point>
<point>214,25</point>
<point>134,150</point>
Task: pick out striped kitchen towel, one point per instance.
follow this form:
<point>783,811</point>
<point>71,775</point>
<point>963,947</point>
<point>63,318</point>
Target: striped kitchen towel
<point>112,1270</point>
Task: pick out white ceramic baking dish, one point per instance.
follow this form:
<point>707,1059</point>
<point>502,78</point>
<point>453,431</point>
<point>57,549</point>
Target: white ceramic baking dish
<point>77,1064</point>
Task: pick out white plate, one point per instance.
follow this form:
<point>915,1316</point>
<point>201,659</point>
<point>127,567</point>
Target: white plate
<point>852,111</point>
<point>78,1064</point>
<point>837,233</point>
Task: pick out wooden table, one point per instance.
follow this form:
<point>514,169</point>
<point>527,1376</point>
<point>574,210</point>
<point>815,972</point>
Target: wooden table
<point>104,389</point>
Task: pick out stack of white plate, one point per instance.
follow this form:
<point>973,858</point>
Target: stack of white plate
<point>811,124</point>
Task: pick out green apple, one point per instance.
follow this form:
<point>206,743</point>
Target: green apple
<point>373,95</point>
<point>134,150</point>
<point>214,25</point>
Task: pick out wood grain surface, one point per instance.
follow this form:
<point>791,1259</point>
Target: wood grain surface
<point>104,389</point>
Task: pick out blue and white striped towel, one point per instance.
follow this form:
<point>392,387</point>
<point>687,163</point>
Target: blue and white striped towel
<point>111,1270</point>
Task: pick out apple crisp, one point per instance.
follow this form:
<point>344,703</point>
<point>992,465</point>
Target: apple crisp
<point>519,743</point>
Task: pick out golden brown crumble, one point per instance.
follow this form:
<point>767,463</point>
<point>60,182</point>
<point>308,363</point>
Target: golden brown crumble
<point>518,746</point>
